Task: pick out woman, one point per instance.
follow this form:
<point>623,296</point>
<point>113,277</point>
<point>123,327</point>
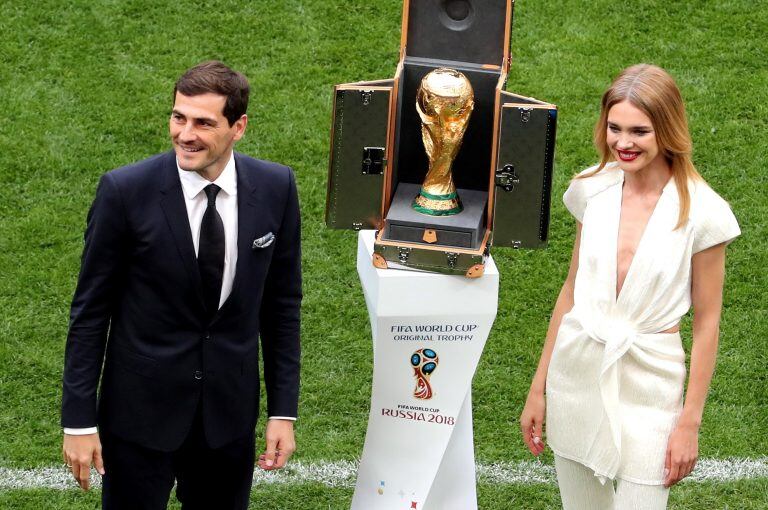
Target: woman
<point>650,243</point>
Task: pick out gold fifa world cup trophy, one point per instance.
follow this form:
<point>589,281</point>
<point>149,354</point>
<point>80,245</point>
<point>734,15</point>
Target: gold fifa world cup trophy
<point>444,101</point>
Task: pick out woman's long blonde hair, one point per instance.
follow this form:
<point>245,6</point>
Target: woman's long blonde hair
<point>652,90</point>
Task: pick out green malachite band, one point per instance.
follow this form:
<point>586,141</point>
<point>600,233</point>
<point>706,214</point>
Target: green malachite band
<point>435,212</point>
<point>430,196</point>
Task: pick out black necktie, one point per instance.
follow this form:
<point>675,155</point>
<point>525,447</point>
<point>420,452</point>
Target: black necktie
<point>210,253</point>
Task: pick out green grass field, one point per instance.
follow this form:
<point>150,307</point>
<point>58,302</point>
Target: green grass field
<point>85,86</point>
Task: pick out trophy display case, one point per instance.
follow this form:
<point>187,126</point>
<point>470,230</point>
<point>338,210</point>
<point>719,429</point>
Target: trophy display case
<point>440,160</point>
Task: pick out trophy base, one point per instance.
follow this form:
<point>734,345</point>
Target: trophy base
<point>464,229</point>
<point>437,205</point>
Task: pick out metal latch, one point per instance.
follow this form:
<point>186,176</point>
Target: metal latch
<point>366,96</point>
<point>452,258</point>
<point>373,161</point>
<point>403,255</point>
<point>506,178</point>
<point>525,114</point>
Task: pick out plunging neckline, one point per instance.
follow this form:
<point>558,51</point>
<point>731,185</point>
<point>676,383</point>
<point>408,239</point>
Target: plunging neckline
<point>617,294</point>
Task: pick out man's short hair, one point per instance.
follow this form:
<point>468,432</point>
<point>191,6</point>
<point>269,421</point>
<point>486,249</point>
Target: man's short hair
<point>216,78</point>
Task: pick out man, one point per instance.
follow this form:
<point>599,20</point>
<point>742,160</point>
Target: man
<point>190,256</point>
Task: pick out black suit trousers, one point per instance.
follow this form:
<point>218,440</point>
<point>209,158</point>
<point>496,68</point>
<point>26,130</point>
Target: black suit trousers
<point>139,478</point>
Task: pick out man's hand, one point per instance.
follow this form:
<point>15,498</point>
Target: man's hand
<point>79,452</point>
<point>682,453</point>
<point>280,444</point>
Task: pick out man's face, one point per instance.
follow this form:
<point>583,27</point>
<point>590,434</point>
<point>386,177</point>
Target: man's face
<point>201,135</point>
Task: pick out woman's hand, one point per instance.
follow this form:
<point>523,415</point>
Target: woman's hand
<point>682,453</point>
<point>532,421</point>
<point>532,417</point>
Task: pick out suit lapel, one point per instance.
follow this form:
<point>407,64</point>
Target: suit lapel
<point>246,219</point>
<point>175,211</point>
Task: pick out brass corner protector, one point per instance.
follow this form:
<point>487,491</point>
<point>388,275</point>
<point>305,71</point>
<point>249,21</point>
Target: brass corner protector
<point>475,271</point>
<point>379,261</point>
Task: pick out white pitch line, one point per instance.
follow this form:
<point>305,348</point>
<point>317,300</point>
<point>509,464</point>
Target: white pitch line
<point>343,473</point>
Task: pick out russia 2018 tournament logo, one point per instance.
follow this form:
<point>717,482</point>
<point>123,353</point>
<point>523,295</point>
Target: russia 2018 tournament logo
<point>424,362</point>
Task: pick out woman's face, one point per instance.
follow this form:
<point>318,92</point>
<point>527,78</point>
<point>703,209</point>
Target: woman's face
<point>631,138</point>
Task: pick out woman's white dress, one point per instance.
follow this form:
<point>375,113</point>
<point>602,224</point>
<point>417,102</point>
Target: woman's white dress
<point>615,384</point>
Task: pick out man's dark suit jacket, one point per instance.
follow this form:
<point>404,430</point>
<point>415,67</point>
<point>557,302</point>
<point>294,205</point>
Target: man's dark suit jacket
<point>138,309</point>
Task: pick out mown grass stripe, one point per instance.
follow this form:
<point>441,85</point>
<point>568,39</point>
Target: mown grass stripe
<point>342,474</point>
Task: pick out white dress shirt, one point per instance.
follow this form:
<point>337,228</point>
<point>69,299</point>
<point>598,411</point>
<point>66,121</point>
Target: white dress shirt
<point>192,185</point>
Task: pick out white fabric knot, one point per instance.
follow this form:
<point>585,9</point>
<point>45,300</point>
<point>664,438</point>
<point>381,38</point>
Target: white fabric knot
<point>618,335</point>
<point>612,330</point>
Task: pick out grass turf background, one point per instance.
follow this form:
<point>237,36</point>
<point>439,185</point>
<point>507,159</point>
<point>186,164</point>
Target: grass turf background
<point>85,86</point>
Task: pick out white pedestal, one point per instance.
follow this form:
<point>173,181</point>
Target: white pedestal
<point>418,452</point>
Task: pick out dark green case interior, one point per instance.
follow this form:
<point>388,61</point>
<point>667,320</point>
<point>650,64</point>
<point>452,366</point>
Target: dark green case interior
<point>473,162</point>
<point>469,31</point>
